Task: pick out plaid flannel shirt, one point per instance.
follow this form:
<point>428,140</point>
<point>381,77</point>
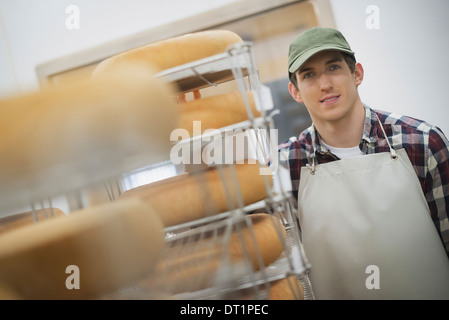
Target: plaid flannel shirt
<point>426,146</point>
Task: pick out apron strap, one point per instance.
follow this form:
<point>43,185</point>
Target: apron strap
<point>392,151</point>
<point>312,156</point>
<point>312,167</point>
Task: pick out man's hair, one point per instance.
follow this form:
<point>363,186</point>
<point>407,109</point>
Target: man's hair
<point>349,58</point>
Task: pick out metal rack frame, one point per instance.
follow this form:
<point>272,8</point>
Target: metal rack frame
<point>238,63</point>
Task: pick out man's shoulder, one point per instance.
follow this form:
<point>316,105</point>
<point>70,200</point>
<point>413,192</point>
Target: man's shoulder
<point>407,132</point>
<point>408,122</point>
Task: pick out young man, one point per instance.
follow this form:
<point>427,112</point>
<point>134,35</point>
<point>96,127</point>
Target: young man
<point>372,186</point>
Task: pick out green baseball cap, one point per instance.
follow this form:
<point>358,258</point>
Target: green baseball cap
<point>311,42</point>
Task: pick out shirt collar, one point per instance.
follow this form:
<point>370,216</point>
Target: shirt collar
<point>370,127</point>
<point>369,134</point>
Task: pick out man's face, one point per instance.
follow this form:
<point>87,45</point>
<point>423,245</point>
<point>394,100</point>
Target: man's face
<point>327,87</point>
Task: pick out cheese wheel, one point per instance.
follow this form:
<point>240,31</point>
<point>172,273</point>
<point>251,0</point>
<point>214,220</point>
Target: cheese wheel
<point>268,239</point>
<point>211,260</point>
<point>21,219</point>
<point>200,194</point>
<point>175,51</point>
<point>215,112</point>
<point>102,248</point>
<point>289,288</point>
<point>7,294</point>
<point>80,132</point>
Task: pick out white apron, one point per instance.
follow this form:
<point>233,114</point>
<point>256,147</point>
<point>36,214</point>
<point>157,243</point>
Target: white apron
<point>367,231</point>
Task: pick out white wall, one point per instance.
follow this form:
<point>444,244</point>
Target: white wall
<point>405,60</point>
<point>35,30</point>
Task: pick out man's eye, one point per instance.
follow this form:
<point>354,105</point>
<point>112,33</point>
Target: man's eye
<point>334,67</point>
<point>308,75</point>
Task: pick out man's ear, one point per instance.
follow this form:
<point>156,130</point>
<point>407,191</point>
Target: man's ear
<point>295,93</point>
<point>358,74</point>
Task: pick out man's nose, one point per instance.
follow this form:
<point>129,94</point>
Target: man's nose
<point>325,82</point>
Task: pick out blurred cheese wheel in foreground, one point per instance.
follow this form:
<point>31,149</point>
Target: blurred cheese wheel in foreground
<point>81,132</point>
<point>7,294</point>
<point>102,248</point>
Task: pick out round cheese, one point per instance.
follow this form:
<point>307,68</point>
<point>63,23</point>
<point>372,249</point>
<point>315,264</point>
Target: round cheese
<point>84,255</point>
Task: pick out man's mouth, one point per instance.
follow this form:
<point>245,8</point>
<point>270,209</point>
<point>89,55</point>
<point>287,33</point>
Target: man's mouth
<point>330,99</point>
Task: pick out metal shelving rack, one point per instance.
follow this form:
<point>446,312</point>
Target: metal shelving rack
<point>237,64</point>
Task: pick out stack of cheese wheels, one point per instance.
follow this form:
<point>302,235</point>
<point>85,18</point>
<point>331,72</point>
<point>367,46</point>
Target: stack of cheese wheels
<point>67,136</point>
<point>210,259</point>
<point>215,112</point>
<point>175,51</point>
<point>196,195</point>
<point>87,254</point>
<point>289,288</point>
<point>21,219</point>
